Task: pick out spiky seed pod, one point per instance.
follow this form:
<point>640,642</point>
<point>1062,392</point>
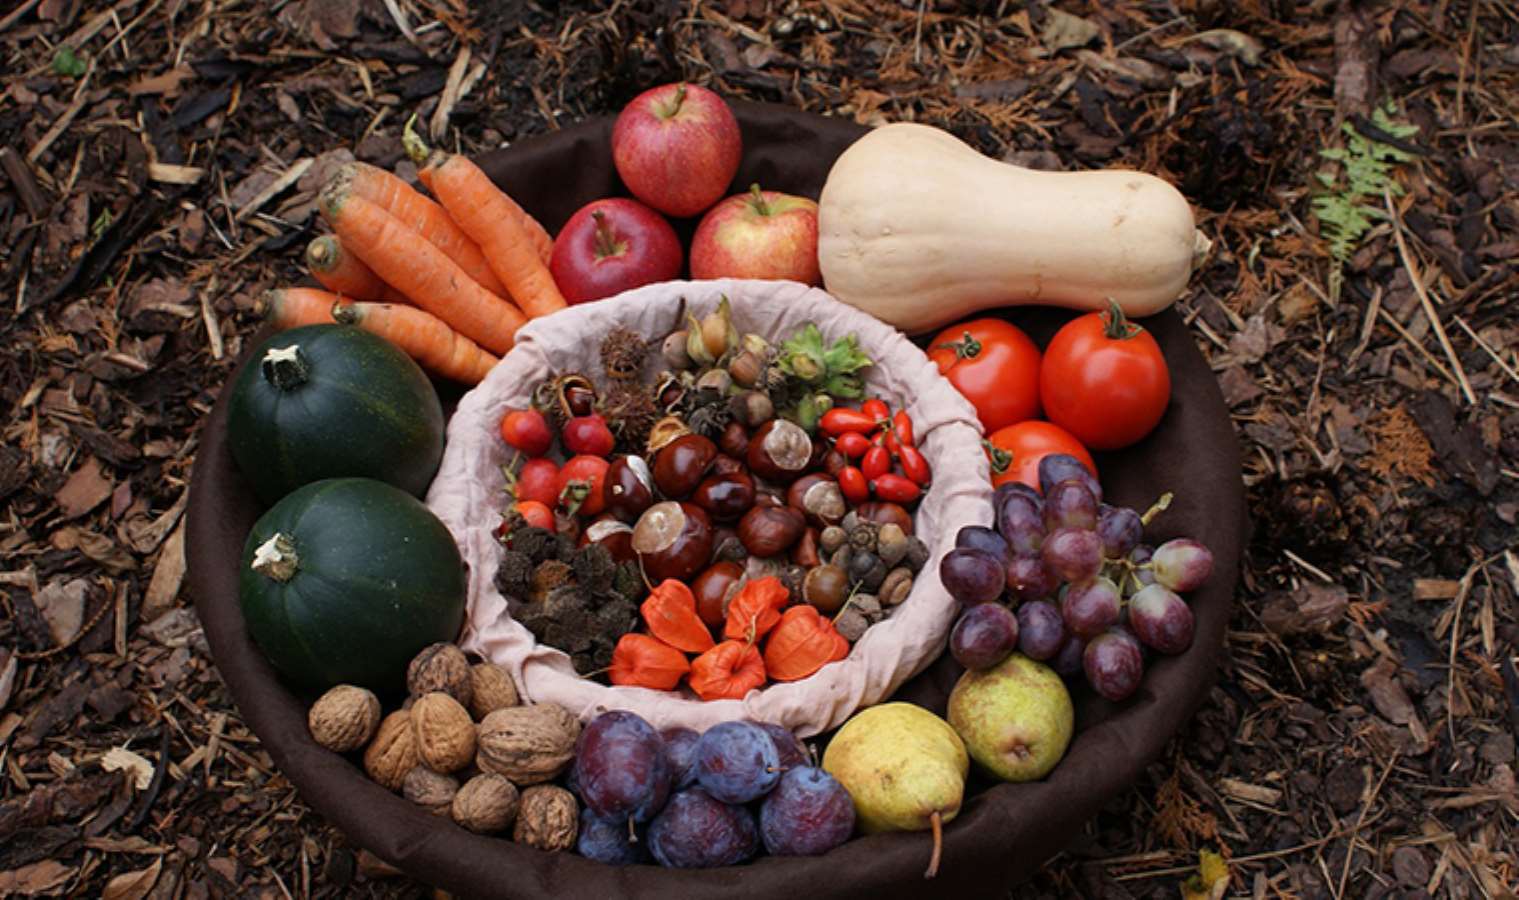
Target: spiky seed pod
<point>623,354</point>
<point>630,413</point>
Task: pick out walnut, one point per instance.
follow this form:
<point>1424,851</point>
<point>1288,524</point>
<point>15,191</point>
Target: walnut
<point>547,819</point>
<point>345,718</point>
<point>445,733</point>
<point>393,752</point>
<point>492,689</point>
<point>486,803</point>
<point>440,667</point>
<point>528,744</point>
<point>430,790</point>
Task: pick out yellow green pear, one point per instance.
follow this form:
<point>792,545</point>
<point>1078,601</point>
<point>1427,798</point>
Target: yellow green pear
<point>1016,718</point>
<point>904,767</point>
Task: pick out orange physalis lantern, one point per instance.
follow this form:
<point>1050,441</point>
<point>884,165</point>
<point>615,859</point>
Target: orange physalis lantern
<point>643,661</point>
<point>802,643</point>
<point>728,671</point>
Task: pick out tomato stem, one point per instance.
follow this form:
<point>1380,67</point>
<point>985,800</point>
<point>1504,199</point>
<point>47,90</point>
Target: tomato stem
<point>966,348</point>
<point>1117,327</point>
<point>1000,459</point>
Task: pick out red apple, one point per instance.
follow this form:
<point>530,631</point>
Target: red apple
<point>761,234</point>
<point>677,148</point>
<point>610,246</point>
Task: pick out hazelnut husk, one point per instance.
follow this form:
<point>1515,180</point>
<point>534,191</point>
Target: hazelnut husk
<point>430,790</point>
<point>486,803</point>
<point>439,667</point>
<point>771,530</point>
<point>444,731</point>
<point>493,690</point>
<point>345,718</point>
<point>393,752</point>
<point>527,744</point>
<point>547,818</point>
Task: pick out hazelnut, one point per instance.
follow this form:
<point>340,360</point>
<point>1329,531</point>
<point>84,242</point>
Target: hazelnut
<point>445,734</point>
<point>832,538</point>
<point>547,818</point>
<point>439,667</point>
<point>527,744</point>
<point>345,718</point>
<point>393,752</point>
<point>493,689</point>
<point>486,803</point>
<point>430,790</point>
<point>752,408</point>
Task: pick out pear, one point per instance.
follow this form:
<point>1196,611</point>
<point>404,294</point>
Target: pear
<point>1016,718</point>
<point>905,769</point>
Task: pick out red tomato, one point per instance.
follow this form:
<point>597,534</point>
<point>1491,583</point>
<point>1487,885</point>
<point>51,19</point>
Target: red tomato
<point>590,471</point>
<point>995,365</point>
<point>1104,380</point>
<point>1015,451</point>
<point>538,480</point>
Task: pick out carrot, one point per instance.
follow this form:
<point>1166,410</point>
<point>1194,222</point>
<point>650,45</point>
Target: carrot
<point>422,215</point>
<point>425,337</point>
<point>343,273</point>
<point>418,269</point>
<point>499,226</point>
<point>293,307</point>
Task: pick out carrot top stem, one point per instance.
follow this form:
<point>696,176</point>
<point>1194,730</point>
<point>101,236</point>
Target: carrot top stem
<point>416,148</point>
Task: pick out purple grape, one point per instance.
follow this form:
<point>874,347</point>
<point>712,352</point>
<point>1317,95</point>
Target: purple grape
<point>1020,523</point>
<point>1161,620</point>
<point>979,537</point>
<point>808,814</point>
<point>1067,662</point>
<point>984,636</point>
<point>1114,664</point>
<point>608,841</point>
<point>697,831</point>
<point>680,747</point>
<point>1041,631</point>
<point>788,747</point>
<point>621,767</point>
<point>1120,529</point>
<point>972,576</point>
<point>1015,488</point>
<point>1069,504</point>
<point>1057,467</point>
<point>1028,578</point>
<point>1091,607</point>
<point>1182,564</point>
<point>1072,554</point>
<point>1139,577</point>
<point>737,761</point>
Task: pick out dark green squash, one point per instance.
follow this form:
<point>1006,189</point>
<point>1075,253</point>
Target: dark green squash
<point>345,580</point>
<point>333,401</point>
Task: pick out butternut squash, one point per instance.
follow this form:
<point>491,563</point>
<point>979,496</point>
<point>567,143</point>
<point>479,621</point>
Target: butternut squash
<point>919,229</point>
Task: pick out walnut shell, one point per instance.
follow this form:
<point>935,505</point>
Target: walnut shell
<point>491,689</point>
<point>547,818</point>
<point>440,667</point>
<point>393,752</point>
<point>345,718</point>
<point>430,790</point>
<point>445,732</point>
<point>528,744</point>
<point>486,803</point>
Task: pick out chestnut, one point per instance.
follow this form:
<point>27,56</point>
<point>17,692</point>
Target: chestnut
<point>771,530</point>
<point>580,399</point>
<point>628,488</point>
<point>681,464</point>
<point>613,534</point>
<point>725,497</point>
<point>734,440</point>
<point>779,451</point>
<point>833,461</point>
<point>713,588</point>
<point>727,465</point>
<point>826,587</point>
<point>726,547</point>
<point>882,513</point>
<point>818,496</point>
<point>805,551</point>
<point>673,540</point>
<point>819,458</point>
<point>769,497</point>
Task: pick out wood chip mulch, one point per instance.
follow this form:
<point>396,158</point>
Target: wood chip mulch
<point>159,161</point>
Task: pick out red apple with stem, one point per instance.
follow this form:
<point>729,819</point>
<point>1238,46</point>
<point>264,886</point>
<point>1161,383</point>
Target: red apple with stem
<point>677,148</point>
<point>612,245</point>
<point>761,234</point>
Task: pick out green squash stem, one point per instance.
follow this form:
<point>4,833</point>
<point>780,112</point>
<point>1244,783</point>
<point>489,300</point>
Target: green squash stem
<point>276,558</point>
<point>285,367</point>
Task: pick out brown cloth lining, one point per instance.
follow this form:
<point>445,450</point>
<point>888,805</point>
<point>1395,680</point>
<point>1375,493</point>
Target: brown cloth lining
<point>1004,831</point>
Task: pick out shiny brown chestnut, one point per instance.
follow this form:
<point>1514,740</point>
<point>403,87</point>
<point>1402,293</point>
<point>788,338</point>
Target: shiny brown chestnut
<point>680,465</point>
<point>727,465</point>
<point>581,400</point>
<point>833,461</point>
<point>673,540</point>
<point>613,534</point>
<point>725,497</point>
<point>628,488</point>
<point>881,513</point>
<point>779,451</point>
<point>771,530</point>
<point>734,440</point>
<point>818,496</point>
<point>712,588</point>
<point>805,551</point>
<point>769,497</point>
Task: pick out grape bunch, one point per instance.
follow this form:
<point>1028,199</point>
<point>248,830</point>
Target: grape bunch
<point>1081,589</point>
<point>689,800</point>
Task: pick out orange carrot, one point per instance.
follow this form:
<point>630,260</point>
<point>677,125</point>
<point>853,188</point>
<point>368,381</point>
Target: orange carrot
<point>422,215</point>
<point>425,338</point>
<point>498,225</point>
<point>539,235</point>
<point>293,307</point>
<point>343,273</point>
<point>420,270</point>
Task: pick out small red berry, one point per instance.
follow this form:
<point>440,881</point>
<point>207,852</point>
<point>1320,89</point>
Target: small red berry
<point>527,431</point>
<point>587,435</point>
